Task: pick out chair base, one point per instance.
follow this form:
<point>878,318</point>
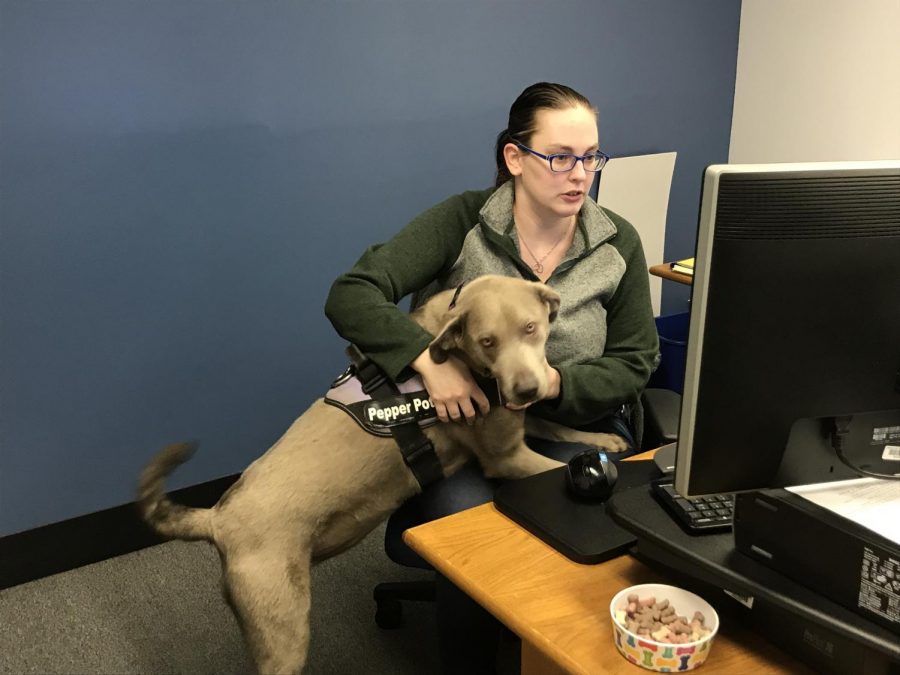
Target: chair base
<point>388,596</point>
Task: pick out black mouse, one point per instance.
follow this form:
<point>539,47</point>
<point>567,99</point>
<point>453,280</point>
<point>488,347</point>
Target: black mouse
<point>591,475</point>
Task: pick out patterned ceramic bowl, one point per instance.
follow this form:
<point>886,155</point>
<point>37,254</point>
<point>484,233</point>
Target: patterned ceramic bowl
<point>661,656</point>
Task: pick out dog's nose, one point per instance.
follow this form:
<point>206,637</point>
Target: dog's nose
<point>526,393</point>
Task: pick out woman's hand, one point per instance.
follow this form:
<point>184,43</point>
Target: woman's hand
<point>452,388</point>
<point>553,380</point>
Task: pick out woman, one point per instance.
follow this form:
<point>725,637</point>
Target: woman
<point>538,223</point>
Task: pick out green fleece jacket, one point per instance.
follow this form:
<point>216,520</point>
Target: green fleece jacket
<point>603,342</point>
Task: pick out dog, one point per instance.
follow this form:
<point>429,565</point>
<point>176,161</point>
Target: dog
<point>296,505</point>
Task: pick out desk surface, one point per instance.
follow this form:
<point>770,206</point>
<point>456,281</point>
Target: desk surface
<point>665,271</point>
<point>558,607</point>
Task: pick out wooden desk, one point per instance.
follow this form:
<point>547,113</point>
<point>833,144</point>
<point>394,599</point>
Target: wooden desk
<point>559,608</point>
<point>665,271</point>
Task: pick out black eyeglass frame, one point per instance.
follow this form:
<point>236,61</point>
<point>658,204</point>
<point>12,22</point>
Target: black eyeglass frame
<point>575,158</point>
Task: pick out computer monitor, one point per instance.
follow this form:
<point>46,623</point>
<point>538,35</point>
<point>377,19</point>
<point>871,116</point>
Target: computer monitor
<point>795,324</point>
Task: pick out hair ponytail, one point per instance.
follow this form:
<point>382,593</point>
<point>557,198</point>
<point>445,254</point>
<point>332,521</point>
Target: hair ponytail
<point>503,173</point>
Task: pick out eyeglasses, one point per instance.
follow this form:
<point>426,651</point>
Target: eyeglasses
<point>560,163</point>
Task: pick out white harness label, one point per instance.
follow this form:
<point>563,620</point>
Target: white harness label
<point>378,417</point>
<point>401,409</point>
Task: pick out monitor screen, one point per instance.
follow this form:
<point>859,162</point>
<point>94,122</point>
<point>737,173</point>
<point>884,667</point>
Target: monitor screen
<point>794,327</point>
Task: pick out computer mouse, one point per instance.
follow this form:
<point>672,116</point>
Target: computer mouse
<point>591,475</point>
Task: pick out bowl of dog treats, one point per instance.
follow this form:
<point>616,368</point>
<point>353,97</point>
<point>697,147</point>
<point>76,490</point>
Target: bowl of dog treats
<point>663,628</point>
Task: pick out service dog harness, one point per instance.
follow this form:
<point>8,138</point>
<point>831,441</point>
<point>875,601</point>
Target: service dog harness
<point>384,408</point>
<point>393,406</point>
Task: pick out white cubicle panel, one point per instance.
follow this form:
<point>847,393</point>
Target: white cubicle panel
<point>637,188</point>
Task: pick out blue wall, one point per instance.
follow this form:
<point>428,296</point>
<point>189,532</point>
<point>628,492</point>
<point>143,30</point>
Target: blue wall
<point>182,180</point>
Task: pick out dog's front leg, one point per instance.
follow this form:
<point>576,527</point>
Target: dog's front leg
<point>520,462</point>
<point>501,449</point>
<point>551,431</point>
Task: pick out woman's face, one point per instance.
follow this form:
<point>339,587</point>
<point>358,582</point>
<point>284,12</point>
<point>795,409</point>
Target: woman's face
<point>570,130</point>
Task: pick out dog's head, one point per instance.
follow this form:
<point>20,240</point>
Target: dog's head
<point>499,327</point>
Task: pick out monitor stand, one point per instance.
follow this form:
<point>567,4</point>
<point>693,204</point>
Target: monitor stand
<point>818,631</point>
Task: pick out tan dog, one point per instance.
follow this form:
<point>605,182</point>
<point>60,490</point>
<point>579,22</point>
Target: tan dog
<point>288,510</point>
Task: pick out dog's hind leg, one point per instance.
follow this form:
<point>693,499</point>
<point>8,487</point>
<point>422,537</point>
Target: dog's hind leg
<point>269,592</point>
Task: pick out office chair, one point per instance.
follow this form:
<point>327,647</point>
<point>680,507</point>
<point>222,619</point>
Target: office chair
<point>661,408</point>
<point>653,422</point>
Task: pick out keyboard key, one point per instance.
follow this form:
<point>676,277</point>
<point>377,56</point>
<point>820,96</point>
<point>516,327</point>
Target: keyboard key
<point>685,504</point>
<point>699,515</point>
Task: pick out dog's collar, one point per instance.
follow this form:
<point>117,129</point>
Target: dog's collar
<point>456,295</point>
<point>491,388</point>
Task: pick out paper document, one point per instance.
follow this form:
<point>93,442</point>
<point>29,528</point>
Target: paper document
<point>685,266</point>
<point>871,502</point>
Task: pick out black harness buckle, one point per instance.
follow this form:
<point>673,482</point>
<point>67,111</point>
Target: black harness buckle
<point>371,378</point>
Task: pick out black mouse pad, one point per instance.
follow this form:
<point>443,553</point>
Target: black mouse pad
<point>580,530</point>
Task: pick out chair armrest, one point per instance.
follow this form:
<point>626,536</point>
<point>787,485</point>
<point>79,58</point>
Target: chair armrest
<point>662,409</point>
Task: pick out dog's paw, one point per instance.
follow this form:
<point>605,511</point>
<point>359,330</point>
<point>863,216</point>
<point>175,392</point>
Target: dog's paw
<point>610,443</point>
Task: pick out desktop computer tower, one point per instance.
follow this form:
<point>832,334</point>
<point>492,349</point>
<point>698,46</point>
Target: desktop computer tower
<point>845,562</point>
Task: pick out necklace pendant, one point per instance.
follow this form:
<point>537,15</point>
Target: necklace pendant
<point>539,268</point>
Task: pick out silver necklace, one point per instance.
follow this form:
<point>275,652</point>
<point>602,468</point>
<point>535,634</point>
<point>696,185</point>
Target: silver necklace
<point>539,262</point>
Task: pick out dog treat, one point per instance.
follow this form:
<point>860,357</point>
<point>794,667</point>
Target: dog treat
<point>658,620</point>
<point>661,635</point>
<point>679,627</point>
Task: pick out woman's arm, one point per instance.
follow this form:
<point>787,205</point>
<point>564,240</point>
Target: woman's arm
<point>362,304</point>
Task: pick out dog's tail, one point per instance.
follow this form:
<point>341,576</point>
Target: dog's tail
<point>163,515</point>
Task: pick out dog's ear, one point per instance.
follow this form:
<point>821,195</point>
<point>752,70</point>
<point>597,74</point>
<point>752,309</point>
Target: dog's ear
<point>551,297</point>
<point>448,339</point>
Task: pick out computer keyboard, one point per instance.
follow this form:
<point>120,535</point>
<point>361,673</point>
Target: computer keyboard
<point>698,515</point>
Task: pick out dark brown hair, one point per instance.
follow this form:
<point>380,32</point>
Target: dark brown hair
<point>522,123</point>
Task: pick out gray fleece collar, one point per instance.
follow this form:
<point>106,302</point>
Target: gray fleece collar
<point>595,226</point>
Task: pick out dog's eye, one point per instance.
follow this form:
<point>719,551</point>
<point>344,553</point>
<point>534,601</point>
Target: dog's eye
<point>530,327</point>
<point>487,342</point>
